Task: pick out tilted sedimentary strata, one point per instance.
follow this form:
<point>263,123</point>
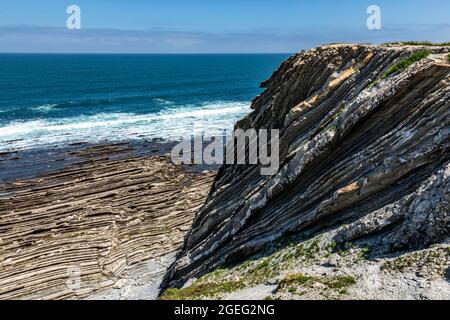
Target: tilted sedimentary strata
<point>356,148</point>
<point>92,222</point>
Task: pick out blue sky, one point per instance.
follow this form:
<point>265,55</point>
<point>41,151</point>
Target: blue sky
<point>157,26</point>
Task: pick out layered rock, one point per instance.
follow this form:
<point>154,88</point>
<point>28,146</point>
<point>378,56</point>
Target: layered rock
<point>70,233</point>
<point>356,148</point>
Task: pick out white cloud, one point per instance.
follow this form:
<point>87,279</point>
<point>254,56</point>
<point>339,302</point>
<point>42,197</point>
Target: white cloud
<point>61,40</point>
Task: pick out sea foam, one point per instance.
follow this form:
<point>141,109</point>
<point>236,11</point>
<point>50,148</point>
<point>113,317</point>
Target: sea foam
<point>171,123</point>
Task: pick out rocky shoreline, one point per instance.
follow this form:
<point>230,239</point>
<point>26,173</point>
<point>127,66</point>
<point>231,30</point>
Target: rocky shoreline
<point>107,214</point>
<point>29,163</point>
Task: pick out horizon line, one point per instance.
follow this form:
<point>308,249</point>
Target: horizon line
<point>145,53</point>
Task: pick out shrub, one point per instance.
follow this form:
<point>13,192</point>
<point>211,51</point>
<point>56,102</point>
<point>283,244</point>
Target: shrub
<point>405,63</point>
<point>336,282</point>
<point>297,279</point>
<point>201,290</point>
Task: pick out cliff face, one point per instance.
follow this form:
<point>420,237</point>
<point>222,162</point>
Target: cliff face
<point>356,148</point>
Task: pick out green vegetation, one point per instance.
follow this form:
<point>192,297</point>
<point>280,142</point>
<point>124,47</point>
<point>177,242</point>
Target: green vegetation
<point>336,282</point>
<point>339,112</point>
<point>271,298</point>
<point>292,290</point>
<point>332,128</point>
<point>297,279</point>
<point>342,249</point>
<point>405,63</point>
<point>419,43</point>
<point>302,251</point>
<point>211,285</point>
<point>374,83</point>
<point>341,282</point>
<point>218,273</point>
<point>448,58</point>
<point>333,245</point>
<point>434,259</point>
<point>262,266</point>
<point>262,271</point>
<point>199,290</point>
<point>224,280</point>
<point>365,252</point>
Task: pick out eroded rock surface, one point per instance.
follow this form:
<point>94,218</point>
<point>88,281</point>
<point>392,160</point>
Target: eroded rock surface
<point>70,233</point>
<point>356,148</point>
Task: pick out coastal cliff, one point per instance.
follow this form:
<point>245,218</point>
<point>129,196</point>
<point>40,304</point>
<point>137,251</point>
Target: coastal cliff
<point>364,167</point>
<point>105,223</point>
<point>359,208</point>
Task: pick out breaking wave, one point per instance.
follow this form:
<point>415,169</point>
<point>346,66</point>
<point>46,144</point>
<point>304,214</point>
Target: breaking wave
<point>171,123</point>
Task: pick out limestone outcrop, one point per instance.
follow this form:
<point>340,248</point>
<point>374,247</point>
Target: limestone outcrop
<point>358,148</point>
<point>70,233</point>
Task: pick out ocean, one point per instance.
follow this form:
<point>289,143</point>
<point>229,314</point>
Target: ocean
<point>48,100</point>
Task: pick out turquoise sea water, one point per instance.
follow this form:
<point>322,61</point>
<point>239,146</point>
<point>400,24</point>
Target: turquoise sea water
<point>59,99</point>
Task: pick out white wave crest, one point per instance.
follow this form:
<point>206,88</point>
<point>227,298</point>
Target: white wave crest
<point>169,124</point>
<point>44,108</point>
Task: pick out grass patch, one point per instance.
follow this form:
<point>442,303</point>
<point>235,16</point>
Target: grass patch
<point>302,251</point>
<point>271,298</point>
<point>337,282</point>
<point>448,58</point>
<point>342,249</point>
<point>339,112</point>
<point>341,282</point>
<point>292,290</point>
<point>297,279</point>
<point>333,245</point>
<point>199,290</point>
<point>262,271</point>
<point>262,266</point>
<point>218,273</point>
<point>365,252</point>
<point>374,83</point>
<point>419,43</point>
<point>405,63</point>
<point>418,260</point>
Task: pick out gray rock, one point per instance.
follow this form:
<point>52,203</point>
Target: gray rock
<point>355,148</point>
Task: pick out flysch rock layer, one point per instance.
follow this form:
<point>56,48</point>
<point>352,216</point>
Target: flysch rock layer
<point>356,148</point>
<point>68,234</point>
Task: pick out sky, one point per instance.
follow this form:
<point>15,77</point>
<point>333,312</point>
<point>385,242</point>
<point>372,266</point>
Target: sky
<point>213,26</point>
